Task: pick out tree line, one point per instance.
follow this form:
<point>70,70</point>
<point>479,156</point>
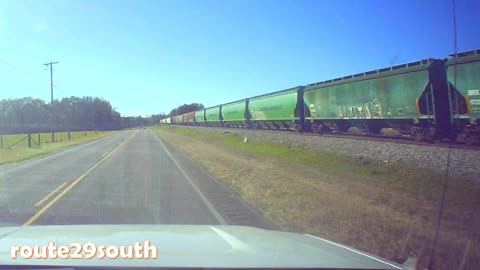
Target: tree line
<point>31,115</point>
<point>186,108</point>
<point>139,121</point>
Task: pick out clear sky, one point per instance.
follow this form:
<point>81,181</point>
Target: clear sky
<point>147,57</point>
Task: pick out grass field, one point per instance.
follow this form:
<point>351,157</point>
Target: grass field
<point>15,147</point>
<point>389,210</point>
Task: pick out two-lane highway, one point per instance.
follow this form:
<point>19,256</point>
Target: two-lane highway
<point>128,178</point>
<point>133,177</point>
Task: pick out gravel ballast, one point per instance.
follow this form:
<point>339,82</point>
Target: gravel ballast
<point>463,162</point>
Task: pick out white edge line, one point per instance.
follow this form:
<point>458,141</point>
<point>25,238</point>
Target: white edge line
<point>356,251</point>
<point>195,187</point>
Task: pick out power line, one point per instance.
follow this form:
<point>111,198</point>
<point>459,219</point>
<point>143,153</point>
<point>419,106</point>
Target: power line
<point>17,45</point>
<point>14,66</point>
<point>61,89</point>
<point>31,74</point>
<point>18,68</point>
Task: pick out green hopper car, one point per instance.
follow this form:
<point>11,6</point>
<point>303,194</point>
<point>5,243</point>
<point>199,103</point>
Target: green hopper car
<point>431,99</point>
<point>234,114</point>
<point>213,116</point>
<point>409,98</point>
<point>463,71</point>
<point>276,110</point>
<point>200,117</point>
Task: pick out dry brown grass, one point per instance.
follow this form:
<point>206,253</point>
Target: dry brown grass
<point>387,210</point>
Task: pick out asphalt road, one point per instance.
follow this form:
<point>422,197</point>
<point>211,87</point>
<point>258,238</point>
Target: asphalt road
<point>131,177</point>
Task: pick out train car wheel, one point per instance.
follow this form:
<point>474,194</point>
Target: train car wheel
<point>431,135</point>
<point>297,127</point>
<point>469,140</point>
<point>319,129</point>
<point>453,137</point>
<point>417,134</point>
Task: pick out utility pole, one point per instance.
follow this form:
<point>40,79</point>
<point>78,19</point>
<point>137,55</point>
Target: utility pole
<point>51,90</point>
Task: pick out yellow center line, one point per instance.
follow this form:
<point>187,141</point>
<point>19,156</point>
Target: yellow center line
<point>105,154</point>
<point>59,196</point>
<point>49,195</point>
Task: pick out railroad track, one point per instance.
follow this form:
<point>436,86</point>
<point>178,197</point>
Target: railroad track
<point>365,136</point>
<point>395,139</point>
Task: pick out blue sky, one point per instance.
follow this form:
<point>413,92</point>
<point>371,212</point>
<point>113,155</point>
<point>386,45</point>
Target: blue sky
<point>148,57</point>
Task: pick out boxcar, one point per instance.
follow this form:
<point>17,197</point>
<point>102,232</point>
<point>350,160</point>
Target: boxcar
<point>188,118</point>
<point>276,110</point>
<point>177,119</point>
<point>463,71</point>
<point>213,116</point>
<point>234,113</point>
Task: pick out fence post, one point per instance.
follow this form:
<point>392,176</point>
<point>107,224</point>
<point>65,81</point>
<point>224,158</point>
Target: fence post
<point>61,136</point>
<point>85,133</point>
<point>1,142</point>
<point>53,136</point>
<point>38,139</point>
<point>69,136</point>
<point>29,140</point>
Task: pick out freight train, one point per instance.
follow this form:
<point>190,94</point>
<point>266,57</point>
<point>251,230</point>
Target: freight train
<point>430,100</point>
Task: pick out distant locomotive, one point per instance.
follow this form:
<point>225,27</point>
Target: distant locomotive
<point>428,99</point>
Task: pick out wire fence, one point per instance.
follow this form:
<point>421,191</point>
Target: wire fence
<point>35,140</point>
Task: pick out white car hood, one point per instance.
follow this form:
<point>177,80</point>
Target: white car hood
<point>192,246</point>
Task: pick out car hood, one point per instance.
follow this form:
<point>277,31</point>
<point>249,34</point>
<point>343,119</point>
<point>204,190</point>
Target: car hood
<point>192,246</point>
